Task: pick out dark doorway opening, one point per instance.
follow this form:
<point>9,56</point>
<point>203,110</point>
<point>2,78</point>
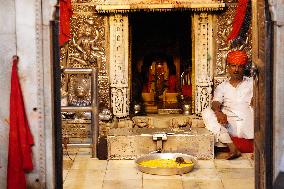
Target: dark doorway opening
<point>161,53</point>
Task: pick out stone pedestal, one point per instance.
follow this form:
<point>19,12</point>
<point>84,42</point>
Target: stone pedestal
<point>133,143</point>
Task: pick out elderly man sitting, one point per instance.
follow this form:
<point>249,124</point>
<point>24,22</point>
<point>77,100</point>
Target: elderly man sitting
<point>231,114</point>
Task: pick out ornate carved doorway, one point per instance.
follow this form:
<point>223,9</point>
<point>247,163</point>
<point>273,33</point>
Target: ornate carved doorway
<point>201,59</point>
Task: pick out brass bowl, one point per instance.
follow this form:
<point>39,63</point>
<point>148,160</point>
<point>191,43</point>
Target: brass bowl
<point>165,171</point>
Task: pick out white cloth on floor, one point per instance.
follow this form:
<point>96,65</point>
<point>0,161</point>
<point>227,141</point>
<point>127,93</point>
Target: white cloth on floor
<point>281,167</point>
<point>236,105</point>
<point>210,120</point>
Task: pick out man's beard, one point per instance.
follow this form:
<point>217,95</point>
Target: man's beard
<point>237,76</point>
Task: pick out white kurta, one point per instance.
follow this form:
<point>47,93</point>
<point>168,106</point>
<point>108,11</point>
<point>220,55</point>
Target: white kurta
<point>236,105</point>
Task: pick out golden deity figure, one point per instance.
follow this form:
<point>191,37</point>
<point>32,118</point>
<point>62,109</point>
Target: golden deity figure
<point>79,91</point>
<point>86,44</point>
<point>158,76</point>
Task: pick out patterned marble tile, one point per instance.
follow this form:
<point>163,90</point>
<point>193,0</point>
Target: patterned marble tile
<point>87,151</point>
<point>123,173</point>
<point>203,184</point>
<point>205,164</point>
<point>236,163</point>
<point>84,179</point>
<point>65,174</point>
<point>159,184</point>
<point>89,164</point>
<point>201,174</point>
<point>83,157</point>
<point>118,164</point>
<point>238,183</point>
<point>67,163</point>
<point>122,184</point>
<point>246,173</point>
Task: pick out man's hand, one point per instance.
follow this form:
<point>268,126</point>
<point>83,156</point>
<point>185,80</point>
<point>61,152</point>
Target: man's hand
<point>221,117</point>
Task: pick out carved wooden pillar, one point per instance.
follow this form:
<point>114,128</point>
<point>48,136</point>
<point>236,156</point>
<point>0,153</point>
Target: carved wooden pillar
<point>203,61</point>
<point>119,65</point>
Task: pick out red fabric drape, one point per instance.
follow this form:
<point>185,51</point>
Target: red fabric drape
<point>238,19</point>
<point>244,145</point>
<point>65,16</point>
<point>20,138</point>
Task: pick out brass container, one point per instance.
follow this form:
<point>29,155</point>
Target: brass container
<point>166,171</point>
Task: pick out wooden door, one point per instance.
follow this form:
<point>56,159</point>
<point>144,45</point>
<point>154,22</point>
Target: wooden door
<point>262,60</point>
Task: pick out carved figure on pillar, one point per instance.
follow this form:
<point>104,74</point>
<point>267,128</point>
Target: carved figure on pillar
<point>119,65</point>
<point>203,61</point>
<point>86,44</point>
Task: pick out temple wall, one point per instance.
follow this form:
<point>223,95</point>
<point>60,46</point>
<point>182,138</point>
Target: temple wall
<point>7,50</point>
<point>24,32</point>
<point>221,30</point>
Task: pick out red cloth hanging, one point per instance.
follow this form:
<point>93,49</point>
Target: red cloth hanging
<point>65,16</point>
<point>20,138</point>
<point>238,19</point>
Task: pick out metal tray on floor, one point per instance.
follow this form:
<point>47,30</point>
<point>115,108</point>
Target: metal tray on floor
<point>165,171</point>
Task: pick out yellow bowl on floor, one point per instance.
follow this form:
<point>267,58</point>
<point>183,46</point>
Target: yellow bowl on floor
<point>164,164</point>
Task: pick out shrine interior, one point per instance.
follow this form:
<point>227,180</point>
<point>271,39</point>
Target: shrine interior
<point>161,60</point>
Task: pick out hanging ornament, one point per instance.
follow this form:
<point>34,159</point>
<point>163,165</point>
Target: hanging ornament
<point>241,21</point>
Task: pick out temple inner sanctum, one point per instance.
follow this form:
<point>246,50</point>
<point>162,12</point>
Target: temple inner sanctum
<point>161,69</point>
<point>161,59</point>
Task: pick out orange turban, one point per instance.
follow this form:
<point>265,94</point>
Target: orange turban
<point>237,57</point>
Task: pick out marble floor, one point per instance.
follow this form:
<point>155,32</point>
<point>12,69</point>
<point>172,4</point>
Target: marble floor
<point>83,172</point>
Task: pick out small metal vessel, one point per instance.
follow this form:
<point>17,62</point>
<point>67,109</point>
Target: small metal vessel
<point>186,109</point>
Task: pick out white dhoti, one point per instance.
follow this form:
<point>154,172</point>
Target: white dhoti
<point>240,125</point>
<point>211,123</point>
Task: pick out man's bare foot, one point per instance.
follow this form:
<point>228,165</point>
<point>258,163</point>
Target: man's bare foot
<point>234,155</point>
<point>234,152</point>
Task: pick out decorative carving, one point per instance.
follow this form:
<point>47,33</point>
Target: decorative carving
<point>83,8</point>
<point>63,56</point>
<point>79,93</point>
<point>203,25</point>
<point>122,6</point>
<point>86,1</point>
<point>111,2</point>
<point>76,129</point>
<point>203,94</point>
<point>87,48</point>
<point>119,65</point>
<point>224,27</point>
<point>142,122</point>
<point>181,122</point>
